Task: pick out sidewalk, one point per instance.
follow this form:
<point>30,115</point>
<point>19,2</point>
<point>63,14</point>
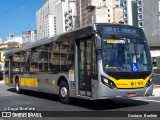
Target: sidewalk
<point>156,91</point>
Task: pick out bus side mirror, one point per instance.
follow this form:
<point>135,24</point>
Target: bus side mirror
<point>98,42</point>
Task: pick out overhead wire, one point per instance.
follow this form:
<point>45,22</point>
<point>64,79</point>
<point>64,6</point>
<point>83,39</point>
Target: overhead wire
<point>14,7</point>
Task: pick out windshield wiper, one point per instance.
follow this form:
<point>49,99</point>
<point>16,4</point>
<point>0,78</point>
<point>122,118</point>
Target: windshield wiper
<point>121,68</point>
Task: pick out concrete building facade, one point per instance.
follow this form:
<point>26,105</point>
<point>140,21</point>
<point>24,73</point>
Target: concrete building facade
<point>65,12</point>
<point>29,36</point>
<point>45,20</point>
<point>145,14</point>
<point>118,15</point>
<point>130,12</point>
<point>91,11</point>
<point>56,17</point>
<point>60,8</point>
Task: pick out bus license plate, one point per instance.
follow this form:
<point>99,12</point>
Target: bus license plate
<point>129,95</point>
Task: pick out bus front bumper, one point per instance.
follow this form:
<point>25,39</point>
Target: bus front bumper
<point>105,92</point>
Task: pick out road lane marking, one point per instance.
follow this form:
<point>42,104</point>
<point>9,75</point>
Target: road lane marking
<point>148,100</point>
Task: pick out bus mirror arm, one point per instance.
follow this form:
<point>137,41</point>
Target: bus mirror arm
<point>94,32</point>
<point>98,36</point>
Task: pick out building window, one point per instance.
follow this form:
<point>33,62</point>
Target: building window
<point>140,24</point>
<point>108,15</point>
<point>140,10</point>
<point>140,17</point>
<point>124,2</point>
<point>125,9</point>
<point>125,21</point>
<point>108,10</point>
<point>139,3</point>
<point>125,15</point>
<point>109,20</point>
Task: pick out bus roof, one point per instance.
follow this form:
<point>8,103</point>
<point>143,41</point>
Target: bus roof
<point>74,34</point>
<point>115,24</point>
<point>50,39</point>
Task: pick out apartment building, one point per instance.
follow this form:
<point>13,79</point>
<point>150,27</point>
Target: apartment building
<point>46,20</point>
<point>130,12</point>
<point>145,14</point>
<point>56,17</point>
<point>29,36</point>
<point>65,12</point>
<point>91,11</point>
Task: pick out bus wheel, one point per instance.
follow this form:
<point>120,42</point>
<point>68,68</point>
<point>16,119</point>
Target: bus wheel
<point>64,92</point>
<point>17,87</point>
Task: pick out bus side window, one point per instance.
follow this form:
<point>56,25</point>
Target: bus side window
<point>40,59</point>
<point>16,63</point>
<point>23,59</point>
<point>70,57</point>
<point>28,60</point>
<point>54,57</point>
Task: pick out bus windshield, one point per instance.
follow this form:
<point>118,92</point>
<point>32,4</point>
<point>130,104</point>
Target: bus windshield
<point>125,55</point>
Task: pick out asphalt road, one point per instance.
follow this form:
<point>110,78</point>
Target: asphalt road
<point>47,102</point>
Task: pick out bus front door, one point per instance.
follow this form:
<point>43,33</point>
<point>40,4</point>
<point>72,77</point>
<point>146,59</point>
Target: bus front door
<point>84,67</point>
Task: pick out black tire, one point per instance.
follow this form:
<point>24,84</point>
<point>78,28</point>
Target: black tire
<point>17,87</point>
<point>64,92</point>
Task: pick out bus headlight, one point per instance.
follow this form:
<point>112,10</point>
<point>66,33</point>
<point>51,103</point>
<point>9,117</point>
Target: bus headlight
<point>108,82</point>
<point>149,82</point>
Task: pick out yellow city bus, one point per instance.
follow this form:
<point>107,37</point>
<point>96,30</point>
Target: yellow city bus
<point>99,61</point>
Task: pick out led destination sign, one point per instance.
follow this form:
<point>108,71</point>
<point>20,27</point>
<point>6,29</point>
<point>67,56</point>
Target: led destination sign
<point>120,30</point>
